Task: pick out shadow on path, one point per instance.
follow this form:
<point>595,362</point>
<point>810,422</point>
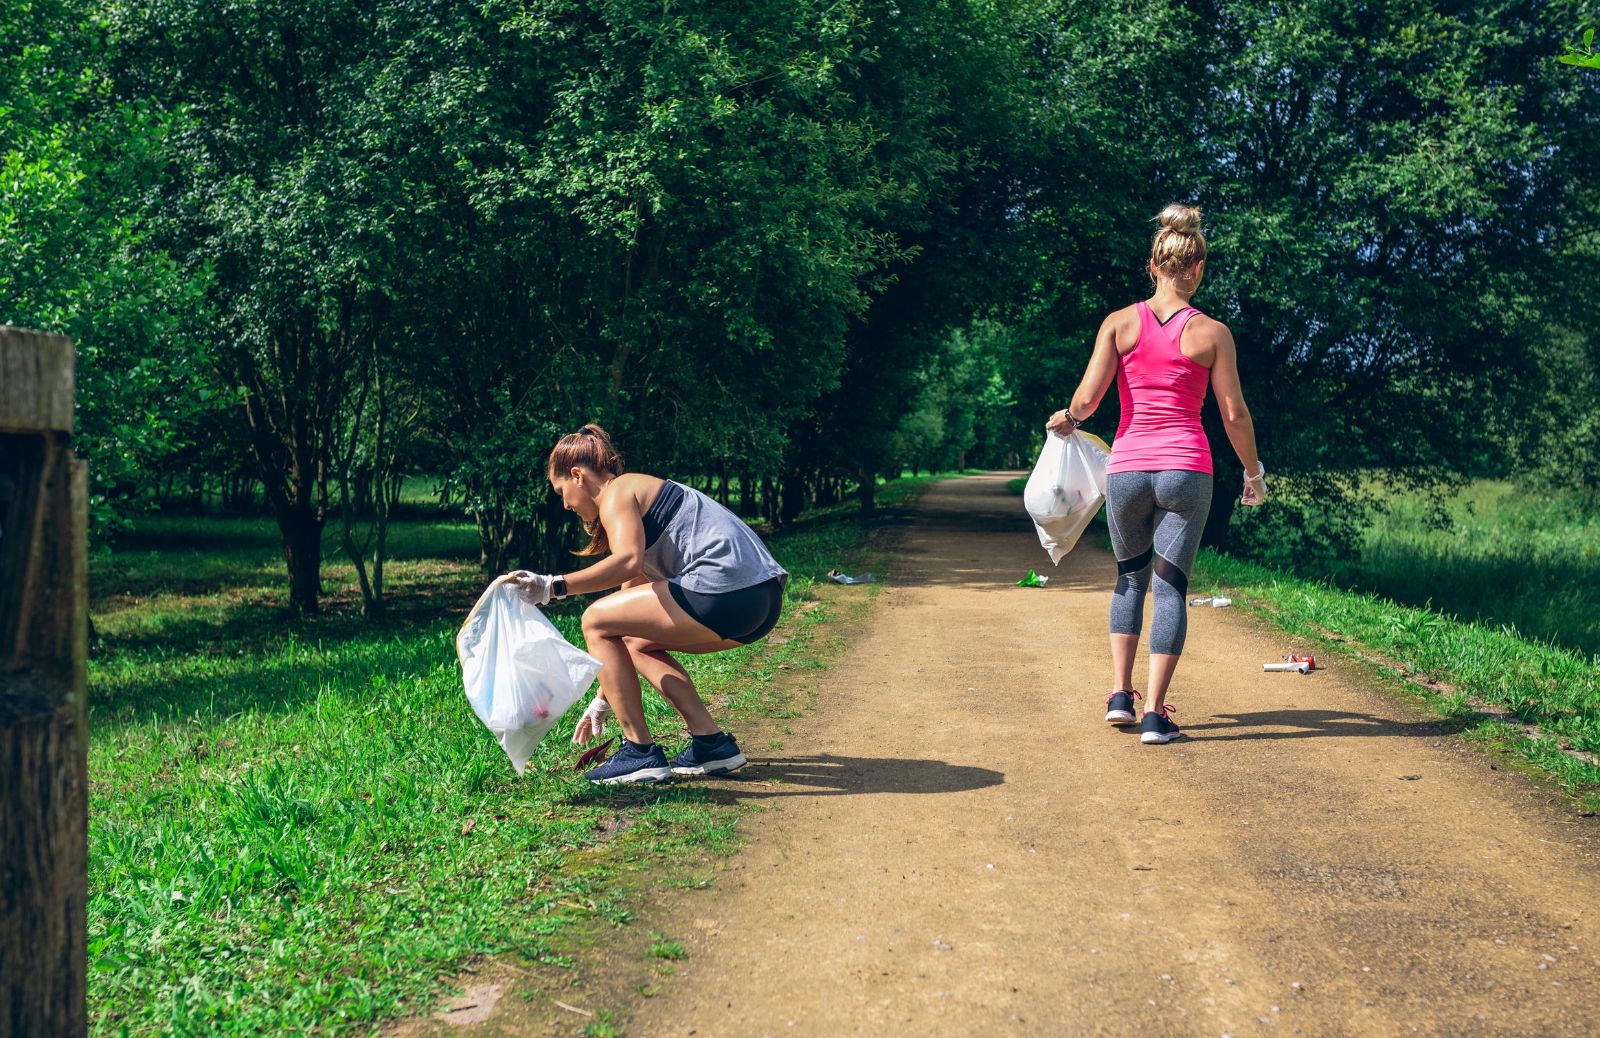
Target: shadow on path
<point>828,775</point>
<point>1309,724</point>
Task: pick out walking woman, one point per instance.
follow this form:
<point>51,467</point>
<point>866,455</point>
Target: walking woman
<point>1163,354</point>
<point>694,579</point>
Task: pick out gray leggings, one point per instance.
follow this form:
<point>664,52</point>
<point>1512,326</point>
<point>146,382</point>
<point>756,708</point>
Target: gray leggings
<point>1156,519</point>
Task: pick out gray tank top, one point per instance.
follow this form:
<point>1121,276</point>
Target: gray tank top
<point>697,544</point>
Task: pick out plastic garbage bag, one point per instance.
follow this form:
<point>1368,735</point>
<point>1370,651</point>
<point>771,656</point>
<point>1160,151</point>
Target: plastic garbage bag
<point>1066,489</point>
<point>521,675</point>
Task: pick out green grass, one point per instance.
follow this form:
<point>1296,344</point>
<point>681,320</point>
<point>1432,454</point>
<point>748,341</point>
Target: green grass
<point>299,826</point>
<point>662,948</point>
<point>1447,661</point>
<point>1508,557</point>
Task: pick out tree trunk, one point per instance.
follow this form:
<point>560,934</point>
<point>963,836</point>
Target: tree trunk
<point>769,500</point>
<point>794,496</point>
<point>496,534</point>
<point>301,529</point>
<point>43,719</point>
<point>868,491</point>
<point>747,494</point>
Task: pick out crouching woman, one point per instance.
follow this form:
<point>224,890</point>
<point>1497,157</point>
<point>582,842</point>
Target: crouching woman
<point>693,579</point>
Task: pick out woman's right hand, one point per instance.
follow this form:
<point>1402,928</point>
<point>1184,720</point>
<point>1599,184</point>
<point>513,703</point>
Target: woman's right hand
<point>1255,487</point>
<point>1060,423</point>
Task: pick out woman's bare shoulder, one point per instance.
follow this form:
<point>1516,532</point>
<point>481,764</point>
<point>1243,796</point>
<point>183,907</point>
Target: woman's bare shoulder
<point>1210,328</point>
<point>1123,316</point>
<point>641,486</point>
<point>1124,327</point>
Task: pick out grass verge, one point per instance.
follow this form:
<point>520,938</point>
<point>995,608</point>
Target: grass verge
<point>1503,555</point>
<point>300,827</point>
<point>1536,700</point>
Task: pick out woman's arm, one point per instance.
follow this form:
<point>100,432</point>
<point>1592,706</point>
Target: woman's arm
<point>1235,415</point>
<point>620,515</point>
<point>1096,380</point>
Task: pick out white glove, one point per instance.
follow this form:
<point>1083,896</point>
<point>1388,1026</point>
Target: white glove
<point>533,587</point>
<point>592,721</point>
<point>1255,486</point>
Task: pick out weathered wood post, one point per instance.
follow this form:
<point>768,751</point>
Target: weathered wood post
<point>43,714</point>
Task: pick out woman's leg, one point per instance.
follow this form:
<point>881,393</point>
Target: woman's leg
<point>1130,514</point>
<point>649,613</point>
<point>667,676</point>
<point>1184,501</point>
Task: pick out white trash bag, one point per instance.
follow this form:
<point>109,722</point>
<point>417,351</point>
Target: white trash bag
<point>521,675</point>
<point>1066,489</point>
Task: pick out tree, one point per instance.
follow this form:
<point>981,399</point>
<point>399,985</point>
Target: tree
<point>1380,219</point>
<point>72,258</point>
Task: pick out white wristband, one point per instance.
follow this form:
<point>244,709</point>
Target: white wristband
<point>1261,473</point>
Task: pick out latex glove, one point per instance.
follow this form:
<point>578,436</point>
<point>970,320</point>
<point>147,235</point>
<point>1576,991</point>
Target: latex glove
<point>533,587</point>
<point>592,721</point>
<point>1255,486</point>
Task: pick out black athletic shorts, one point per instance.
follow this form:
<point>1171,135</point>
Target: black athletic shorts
<point>742,616</point>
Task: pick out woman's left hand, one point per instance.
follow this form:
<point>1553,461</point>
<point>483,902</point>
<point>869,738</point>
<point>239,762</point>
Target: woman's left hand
<point>1255,487</point>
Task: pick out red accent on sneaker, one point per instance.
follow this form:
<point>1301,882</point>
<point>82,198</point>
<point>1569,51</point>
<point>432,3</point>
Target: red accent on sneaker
<point>1126,691</point>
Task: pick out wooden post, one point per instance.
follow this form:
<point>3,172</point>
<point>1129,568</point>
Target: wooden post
<point>43,712</point>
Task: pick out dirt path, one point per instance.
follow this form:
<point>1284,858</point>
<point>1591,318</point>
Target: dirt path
<point>960,846</point>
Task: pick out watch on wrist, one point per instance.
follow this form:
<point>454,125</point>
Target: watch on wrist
<point>1070,420</point>
<point>558,587</point>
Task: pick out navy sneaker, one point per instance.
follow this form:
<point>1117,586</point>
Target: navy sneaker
<point>709,755</point>
<point>1158,727</point>
<point>1119,707</point>
<point>631,765</point>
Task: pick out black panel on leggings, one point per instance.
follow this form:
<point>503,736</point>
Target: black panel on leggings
<point>1137,563</point>
<point>1169,571</point>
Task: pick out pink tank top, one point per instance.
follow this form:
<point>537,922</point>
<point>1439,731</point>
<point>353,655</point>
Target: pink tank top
<point>1161,392</point>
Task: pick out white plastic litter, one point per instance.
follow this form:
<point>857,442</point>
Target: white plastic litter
<point>1214,601</point>
<point>1066,489</point>
<point>521,675</point>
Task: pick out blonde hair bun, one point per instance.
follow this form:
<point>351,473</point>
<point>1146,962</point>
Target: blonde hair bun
<point>1179,244</point>
<point>1185,219</point>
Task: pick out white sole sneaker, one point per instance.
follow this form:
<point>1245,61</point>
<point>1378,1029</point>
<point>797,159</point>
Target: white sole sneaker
<point>1158,737</point>
<point>642,775</point>
<point>1120,717</point>
<point>713,767</point>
